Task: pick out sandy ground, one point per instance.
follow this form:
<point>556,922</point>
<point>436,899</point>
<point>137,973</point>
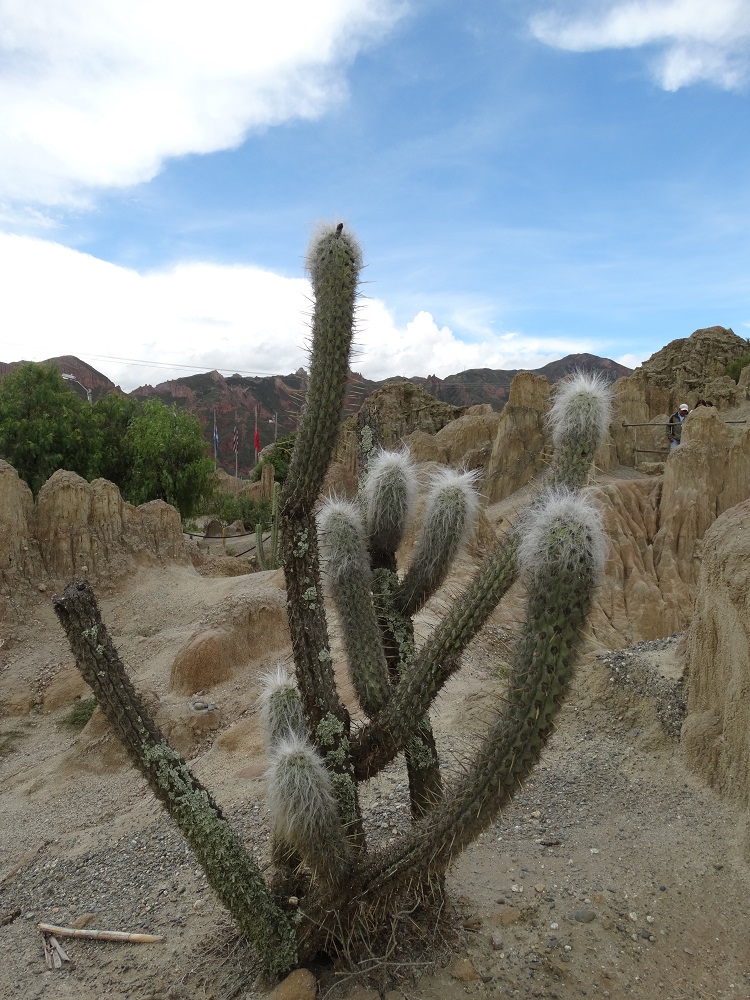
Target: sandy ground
<point>614,873</point>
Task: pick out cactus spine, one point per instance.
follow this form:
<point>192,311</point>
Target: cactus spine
<point>316,759</point>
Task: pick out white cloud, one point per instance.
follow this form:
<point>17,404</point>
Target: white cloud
<point>696,40</point>
<point>630,360</point>
<point>98,93</point>
<point>59,301</point>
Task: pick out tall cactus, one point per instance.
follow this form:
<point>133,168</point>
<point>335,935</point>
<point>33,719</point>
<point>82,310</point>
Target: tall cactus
<point>317,759</point>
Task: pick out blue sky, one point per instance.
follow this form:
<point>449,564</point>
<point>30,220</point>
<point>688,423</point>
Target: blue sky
<point>528,179</point>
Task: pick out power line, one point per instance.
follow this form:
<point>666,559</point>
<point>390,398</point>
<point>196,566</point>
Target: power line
<point>141,362</point>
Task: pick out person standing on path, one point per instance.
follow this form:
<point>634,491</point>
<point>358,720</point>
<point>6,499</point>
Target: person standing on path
<point>674,427</point>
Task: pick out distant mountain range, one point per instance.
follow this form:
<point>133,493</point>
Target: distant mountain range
<point>277,399</point>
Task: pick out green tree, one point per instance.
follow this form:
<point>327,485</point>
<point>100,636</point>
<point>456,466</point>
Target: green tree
<point>110,452</point>
<point>44,426</point>
<point>168,456</point>
<point>277,455</point>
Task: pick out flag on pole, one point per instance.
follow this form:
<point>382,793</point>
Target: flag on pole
<point>216,438</point>
<point>257,439</point>
<point>235,440</point>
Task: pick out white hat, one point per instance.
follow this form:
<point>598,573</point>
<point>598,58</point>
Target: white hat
<point>684,406</point>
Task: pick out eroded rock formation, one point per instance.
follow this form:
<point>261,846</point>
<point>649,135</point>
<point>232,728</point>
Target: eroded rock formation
<point>657,527</point>
<point>716,734</point>
<point>77,528</point>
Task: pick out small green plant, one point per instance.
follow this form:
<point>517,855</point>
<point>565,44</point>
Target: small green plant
<point>80,713</point>
<point>229,507</point>
<point>269,558</point>
<point>734,368</point>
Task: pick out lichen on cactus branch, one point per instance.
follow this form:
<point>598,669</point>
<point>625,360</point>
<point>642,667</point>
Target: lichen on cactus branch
<point>230,870</point>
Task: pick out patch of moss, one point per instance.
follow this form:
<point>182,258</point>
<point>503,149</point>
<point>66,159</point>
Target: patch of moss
<point>80,713</point>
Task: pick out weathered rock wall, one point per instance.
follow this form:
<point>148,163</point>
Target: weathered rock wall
<point>685,370</point>
<point>716,734</point>
<point>521,447</point>
<point>77,528</point>
<point>657,529</point>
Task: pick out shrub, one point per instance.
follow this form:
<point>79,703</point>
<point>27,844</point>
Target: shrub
<point>734,368</point>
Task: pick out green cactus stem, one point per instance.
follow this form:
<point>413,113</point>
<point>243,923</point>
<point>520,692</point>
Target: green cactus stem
<point>347,567</point>
<point>389,495</point>
<point>269,559</point>
<point>579,420</point>
<point>230,870</point>
<point>450,512</point>
<point>281,707</point>
<point>438,659</point>
<point>334,261</point>
<point>563,553</point>
<point>420,750</point>
<point>301,801</point>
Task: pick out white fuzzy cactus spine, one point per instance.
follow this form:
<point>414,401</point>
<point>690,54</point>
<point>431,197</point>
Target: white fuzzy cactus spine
<point>579,421</point>
<point>390,496</point>
<point>281,706</point>
<point>346,564</point>
<point>341,534</point>
<point>561,525</point>
<point>582,406</point>
<point>450,512</point>
<point>303,808</point>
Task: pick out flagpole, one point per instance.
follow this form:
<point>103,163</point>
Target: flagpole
<point>256,439</point>
<point>216,443</point>
<point>236,447</point>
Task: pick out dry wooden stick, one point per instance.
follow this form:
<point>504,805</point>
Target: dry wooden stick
<point>54,953</point>
<point>88,932</point>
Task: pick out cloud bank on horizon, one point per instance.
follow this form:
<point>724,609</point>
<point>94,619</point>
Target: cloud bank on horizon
<point>99,99</point>
<point>235,319</point>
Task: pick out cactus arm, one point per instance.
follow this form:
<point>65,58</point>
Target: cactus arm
<point>270,561</point>
<point>380,741</point>
<point>275,527</point>
<point>578,421</point>
<point>230,870</point>
<point>303,808</point>
<point>420,751</point>
<point>449,515</point>
<point>334,261</point>
<point>260,554</point>
<point>389,496</point>
<point>347,568</point>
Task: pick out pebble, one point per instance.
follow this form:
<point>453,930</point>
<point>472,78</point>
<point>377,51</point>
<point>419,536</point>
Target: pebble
<point>582,916</point>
